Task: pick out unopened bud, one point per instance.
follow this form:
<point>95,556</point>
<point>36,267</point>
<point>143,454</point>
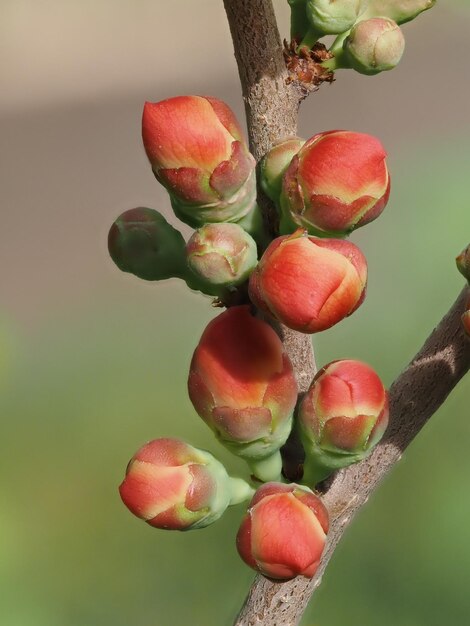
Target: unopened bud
<point>197,152</point>
<point>242,384</point>
<point>337,182</point>
<point>309,284</point>
<point>221,255</point>
<point>342,417</point>
<point>374,45</point>
<point>284,531</point>
<point>334,16</point>
<point>174,486</point>
<point>143,243</point>
<point>463,263</point>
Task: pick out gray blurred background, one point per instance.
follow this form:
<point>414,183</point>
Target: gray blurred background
<point>93,363</point>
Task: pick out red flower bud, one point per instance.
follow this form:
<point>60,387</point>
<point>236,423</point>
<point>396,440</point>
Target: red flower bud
<point>222,255</point>
<point>197,151</point>
<point>174,486</point>
<point>342,416</point>
<point>284,531</point>
<point>463,263</point>
<point>242,384</point>
<point>338,181</point>
<point>309,284</point>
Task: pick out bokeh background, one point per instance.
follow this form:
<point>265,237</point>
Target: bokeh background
<point>93,363</point>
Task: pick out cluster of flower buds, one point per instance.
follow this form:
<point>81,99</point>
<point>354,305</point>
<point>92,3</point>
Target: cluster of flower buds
<point>241,381</point>
<point>341,417</point>
<point>369,39</point>
<point>463,265</point>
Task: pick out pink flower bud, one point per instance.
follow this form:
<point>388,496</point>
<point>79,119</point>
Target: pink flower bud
<point>337,182</point>
<point>374,45</point>
<point>174,486</point>
<point>274,165</point>
<point>242,384</point>
<point>463,263</point>
<point>222,255</point>
<point>342,416</point>
<point>309,284</point>
<point>284,531</point>
<point>197,151</point>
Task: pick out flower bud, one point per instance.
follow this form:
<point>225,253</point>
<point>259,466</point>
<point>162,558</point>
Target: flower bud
<point>274,165</point>
<point>334,17</point>
<point>198,153</point>
<point>174,486</point>
<point>336,183</point>
<point>284,531</point>
<point>143,243</point>
<point>222,255</point>
<point>242,384</point>
<point>398,10</point>
<point>309,284</point>
<point>341,417</point>
<point>374,45</point>
<point>463,263</point>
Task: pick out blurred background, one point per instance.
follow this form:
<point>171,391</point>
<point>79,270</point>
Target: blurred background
<point>93,363</point>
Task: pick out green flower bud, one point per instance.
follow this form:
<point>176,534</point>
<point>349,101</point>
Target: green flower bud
<point>143,243</point>
<point>222,255</point>
<point>398,10</point>
<point>374,46</point>
<point>334,16</point>
<point>274,165</point>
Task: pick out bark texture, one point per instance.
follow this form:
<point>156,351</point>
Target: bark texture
<point>271,107</point>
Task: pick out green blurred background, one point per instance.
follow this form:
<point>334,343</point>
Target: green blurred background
<point>93,363</point>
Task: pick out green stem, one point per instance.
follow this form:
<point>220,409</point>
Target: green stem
<point>268,469</point>
<point>240,491</point>
<point>340,60</point>
<point>315,471</point>
<point>298,19</point>
<point>310,38</point>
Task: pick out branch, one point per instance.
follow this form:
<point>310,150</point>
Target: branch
<point>415,396</point>
<point>271,108</point>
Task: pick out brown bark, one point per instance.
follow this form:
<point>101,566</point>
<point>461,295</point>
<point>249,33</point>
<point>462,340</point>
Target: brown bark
<point>271,107</point>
